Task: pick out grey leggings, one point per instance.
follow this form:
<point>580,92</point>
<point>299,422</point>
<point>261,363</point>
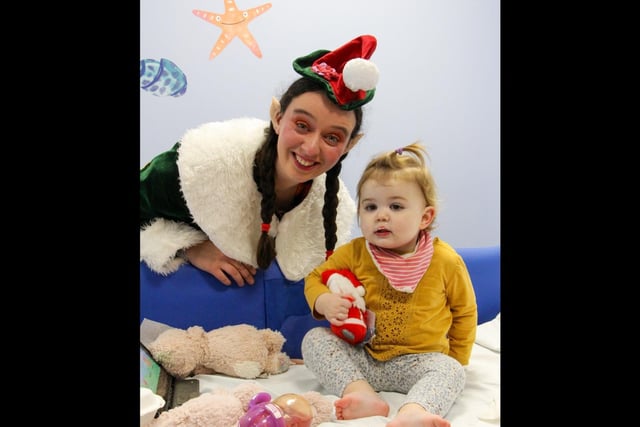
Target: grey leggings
<point>432,380</point>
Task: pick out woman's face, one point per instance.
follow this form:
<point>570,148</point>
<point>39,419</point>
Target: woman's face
<point>313,133</point>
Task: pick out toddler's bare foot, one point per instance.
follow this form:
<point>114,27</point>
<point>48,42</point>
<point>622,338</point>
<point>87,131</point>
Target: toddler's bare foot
<point>417,418</point>
<point>359,405</point>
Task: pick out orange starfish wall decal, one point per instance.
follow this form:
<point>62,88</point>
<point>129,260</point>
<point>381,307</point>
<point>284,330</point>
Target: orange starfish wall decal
<point>234,23</point>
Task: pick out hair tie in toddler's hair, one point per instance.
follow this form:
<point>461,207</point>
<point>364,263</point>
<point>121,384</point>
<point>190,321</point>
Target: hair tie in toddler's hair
<point>328,254</point>
<point>347,74</point>
<point>265,227</point>
<point>399,151</point>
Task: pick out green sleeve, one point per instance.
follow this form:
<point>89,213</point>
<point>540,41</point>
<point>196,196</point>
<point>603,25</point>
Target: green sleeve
<point>160,194</point>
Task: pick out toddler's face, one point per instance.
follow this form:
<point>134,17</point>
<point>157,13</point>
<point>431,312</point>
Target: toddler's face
<point>392,213</point>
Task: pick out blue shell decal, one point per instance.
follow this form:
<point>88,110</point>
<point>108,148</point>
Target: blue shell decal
<point>163,78</point>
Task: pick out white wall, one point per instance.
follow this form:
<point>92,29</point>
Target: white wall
<point>439,63</point>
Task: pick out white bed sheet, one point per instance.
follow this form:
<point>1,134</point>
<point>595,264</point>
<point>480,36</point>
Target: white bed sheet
<point>478,405</point>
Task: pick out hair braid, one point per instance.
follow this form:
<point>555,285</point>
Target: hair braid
<point>264,167</point>
<point>330,208</point>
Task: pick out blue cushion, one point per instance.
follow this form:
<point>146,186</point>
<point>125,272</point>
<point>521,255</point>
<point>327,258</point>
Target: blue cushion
<point>283,297</point>
<point>294,329</point>
<point>191,297</point>
<point>483,264</point>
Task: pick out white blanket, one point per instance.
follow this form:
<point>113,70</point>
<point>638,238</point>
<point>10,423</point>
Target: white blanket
<point>478,405</point>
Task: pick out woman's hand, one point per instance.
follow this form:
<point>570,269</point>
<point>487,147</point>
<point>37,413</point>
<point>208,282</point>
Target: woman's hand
<point>207,257</point>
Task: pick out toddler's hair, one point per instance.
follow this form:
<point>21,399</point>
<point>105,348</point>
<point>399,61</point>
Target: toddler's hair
<point>405,164</point>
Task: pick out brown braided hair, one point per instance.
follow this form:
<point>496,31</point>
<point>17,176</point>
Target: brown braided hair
<point>264,167</point>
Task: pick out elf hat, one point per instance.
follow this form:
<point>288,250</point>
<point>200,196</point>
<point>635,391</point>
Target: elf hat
<point>348,75</point>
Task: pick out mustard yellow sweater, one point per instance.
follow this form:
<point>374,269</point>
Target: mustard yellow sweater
<point>439,316</point>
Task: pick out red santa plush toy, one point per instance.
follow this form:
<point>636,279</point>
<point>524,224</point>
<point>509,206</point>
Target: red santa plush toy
<point>345,282</point>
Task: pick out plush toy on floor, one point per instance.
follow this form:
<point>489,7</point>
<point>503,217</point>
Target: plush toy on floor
<point>225,408</point>
<point>354,330</point>
<point>241,351</point>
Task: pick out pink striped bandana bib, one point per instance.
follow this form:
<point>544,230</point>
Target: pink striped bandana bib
<point>404,271</point>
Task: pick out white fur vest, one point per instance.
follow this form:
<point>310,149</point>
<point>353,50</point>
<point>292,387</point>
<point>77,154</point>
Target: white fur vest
<point>216,176</point>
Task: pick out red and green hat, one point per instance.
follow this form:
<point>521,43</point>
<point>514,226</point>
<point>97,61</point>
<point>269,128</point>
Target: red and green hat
<point>348,75</point>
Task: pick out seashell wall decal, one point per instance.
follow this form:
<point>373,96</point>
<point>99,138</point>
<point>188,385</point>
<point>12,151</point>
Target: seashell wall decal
<point>162,78</point>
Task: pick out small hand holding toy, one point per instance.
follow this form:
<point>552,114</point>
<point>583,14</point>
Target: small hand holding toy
<point>354,330</point>
<point>288,410</point>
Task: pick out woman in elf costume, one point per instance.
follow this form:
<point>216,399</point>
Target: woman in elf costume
<point>236,195</point>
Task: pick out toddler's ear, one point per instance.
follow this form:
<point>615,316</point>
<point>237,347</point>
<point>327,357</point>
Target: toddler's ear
<point>274,112</point>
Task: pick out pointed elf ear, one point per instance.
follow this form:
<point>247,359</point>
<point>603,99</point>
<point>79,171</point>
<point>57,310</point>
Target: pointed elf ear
<point>354,141</point>
<point>274,110</point>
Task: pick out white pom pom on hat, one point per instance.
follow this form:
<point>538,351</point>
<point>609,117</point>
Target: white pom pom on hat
<point>360,74</point>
